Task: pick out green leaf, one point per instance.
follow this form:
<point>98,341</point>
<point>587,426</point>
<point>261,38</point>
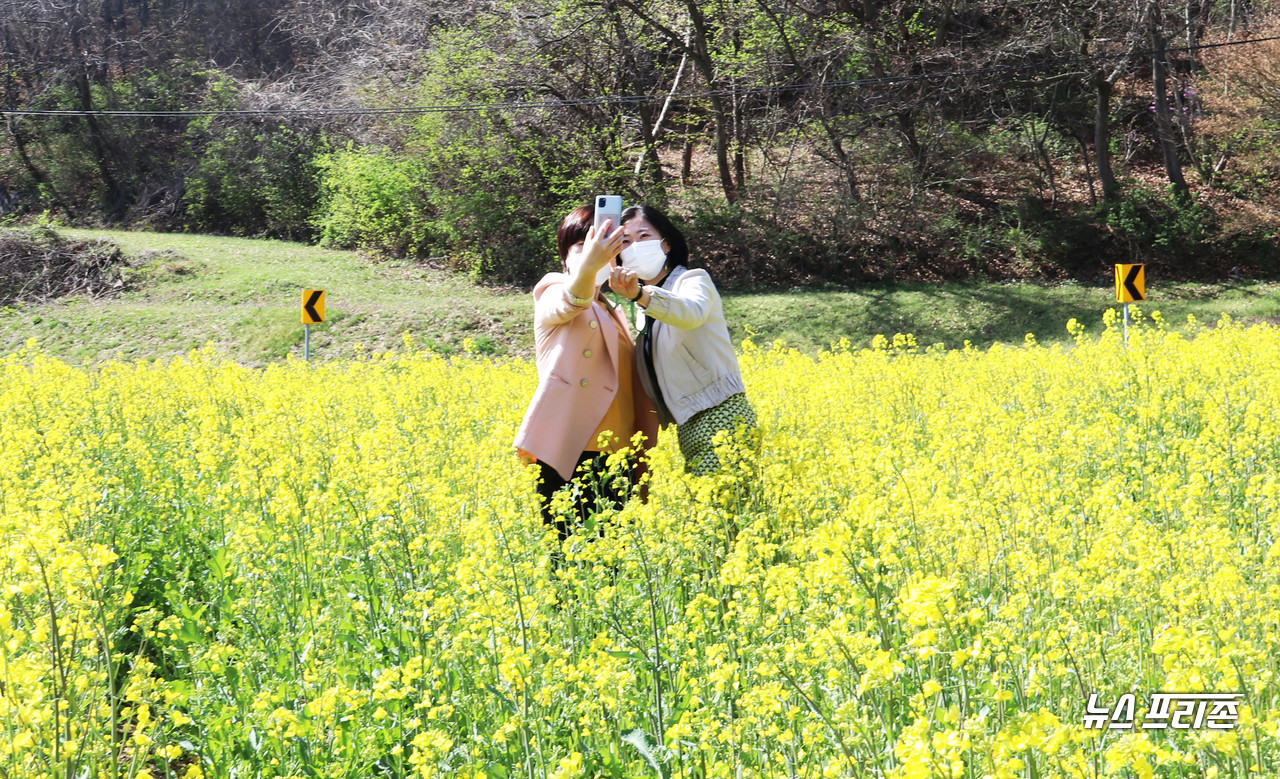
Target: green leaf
<point>626,655</point>
<point>506,702</point>
<point>640,741</point>
<point>495,771</point>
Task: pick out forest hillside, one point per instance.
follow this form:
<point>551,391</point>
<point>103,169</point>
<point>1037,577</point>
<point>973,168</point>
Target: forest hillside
<point>799,142</point>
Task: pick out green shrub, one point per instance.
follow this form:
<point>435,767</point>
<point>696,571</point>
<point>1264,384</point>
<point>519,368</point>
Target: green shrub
<point>373,200</point>
<point>251,179</point>
<point>1164,226</point>
<point>745,244</point>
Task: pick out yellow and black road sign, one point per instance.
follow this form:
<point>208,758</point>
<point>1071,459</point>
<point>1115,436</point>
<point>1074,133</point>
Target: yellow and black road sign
<point>1131,283</point>
<point>312,306</point>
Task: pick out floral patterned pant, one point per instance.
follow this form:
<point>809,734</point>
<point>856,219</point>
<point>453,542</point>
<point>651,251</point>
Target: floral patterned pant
<point>698,435</point>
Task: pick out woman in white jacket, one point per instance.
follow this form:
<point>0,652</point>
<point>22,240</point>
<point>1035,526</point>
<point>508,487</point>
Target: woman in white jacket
<point>684,356</point>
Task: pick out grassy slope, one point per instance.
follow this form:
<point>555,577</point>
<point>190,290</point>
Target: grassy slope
<point>243,296</point>
<point>982,313</point>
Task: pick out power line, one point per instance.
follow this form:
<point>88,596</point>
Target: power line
<point>516,105</point>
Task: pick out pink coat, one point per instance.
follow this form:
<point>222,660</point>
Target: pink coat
<point>577,355</point>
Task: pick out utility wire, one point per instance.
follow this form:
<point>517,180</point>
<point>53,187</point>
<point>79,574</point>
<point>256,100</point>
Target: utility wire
<point>516,105</point>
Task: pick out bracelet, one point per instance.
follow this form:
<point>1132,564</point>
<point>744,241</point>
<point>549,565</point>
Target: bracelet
<point>576,301</point>
<point>639,295</point>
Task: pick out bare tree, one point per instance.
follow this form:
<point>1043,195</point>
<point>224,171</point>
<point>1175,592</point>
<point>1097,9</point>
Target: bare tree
<point>699,45</point>
<point>1164,121</point>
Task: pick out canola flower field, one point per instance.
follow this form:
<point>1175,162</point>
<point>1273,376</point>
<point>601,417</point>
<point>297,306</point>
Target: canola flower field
<point>337,570</point>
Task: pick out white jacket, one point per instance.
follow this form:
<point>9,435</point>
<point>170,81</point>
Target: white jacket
<point>694,360</point>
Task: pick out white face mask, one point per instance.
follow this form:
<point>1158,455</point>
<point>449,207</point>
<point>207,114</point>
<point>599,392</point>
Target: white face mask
<point>574,261</point>
<point>646,258</point>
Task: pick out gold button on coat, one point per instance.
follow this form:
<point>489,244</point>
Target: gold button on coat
<point>594,324</point>
<point>586,352</point>
<point>584,382</point>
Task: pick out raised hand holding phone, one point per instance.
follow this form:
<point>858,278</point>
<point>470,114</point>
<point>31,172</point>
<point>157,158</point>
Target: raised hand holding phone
<point>590,262</point>
<point>608,208</point>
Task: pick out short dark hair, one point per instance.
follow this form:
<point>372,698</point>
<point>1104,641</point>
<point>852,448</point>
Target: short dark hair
<point>679,252</point>
<point>574,228</point>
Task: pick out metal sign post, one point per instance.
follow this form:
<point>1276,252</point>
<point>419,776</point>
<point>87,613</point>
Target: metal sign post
<point>1131,286</point>
<point>312,313</point>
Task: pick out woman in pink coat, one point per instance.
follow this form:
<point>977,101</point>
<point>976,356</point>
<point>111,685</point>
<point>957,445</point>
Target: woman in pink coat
<point>589,402</point>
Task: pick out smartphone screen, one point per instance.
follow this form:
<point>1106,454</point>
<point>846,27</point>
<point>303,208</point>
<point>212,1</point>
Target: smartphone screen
<point>608,207</point>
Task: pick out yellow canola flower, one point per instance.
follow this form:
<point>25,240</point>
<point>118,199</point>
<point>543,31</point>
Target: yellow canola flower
<point>934,559</point>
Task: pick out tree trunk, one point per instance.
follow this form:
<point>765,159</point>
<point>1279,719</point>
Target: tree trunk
<point>648,130</point>
<point>698,46</point>
<point>1039,141</point>
<point>739,119</point>
<point>648,134</point>
<point>907,127</point>
<point>1183,106</point>
<point>1102,137</point>
<point>1081,138</point>
<point>116,200</point>
<point>43,184</point>
<point>739,153</point>
<point>722,147</point>
<point>702,58</point>
<point>828,111</point>
<point>1164,121</point>
<point>842,157</point>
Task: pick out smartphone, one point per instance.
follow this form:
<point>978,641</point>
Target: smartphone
<point>608,207</point>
